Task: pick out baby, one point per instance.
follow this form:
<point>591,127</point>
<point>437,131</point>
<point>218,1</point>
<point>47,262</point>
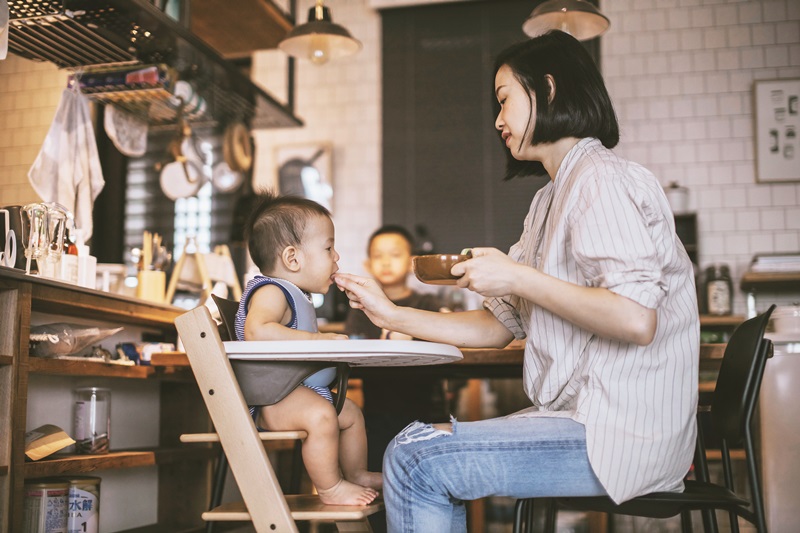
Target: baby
<point>291,240</point>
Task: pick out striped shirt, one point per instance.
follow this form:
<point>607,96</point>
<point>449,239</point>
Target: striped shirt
<point>605,222</point>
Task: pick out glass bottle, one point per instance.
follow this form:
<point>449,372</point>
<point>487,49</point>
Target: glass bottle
<point>719,289</point>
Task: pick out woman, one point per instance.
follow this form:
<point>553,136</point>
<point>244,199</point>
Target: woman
<point>601,288</point>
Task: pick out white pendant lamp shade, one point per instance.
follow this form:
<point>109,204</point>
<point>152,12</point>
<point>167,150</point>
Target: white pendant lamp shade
<point>319,40</point>
<point>578,18</point>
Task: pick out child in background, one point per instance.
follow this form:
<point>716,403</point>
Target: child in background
<point>387,411</point>
<point>291,240</point>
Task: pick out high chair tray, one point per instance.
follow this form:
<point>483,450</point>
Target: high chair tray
<point>359,352</point>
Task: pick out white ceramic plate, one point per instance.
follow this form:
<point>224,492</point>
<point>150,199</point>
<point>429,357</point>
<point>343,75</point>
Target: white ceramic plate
<point>181,180</point>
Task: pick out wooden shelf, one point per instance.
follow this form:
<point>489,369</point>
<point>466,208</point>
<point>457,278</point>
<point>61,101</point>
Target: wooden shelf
<point>720,321</point>
<point>716,455</point>
<point>61,367</point>
<point>258,25</point>
<point>770,281</point>
<point>707,386</point>
<point>78,464</point>
<point>164,528</point>
<point>712,351</point>
<point>6,359</point>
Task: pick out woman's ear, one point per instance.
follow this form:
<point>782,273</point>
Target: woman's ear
<point>290,257</point>
<point>551,84</point>
<point>368,267</point>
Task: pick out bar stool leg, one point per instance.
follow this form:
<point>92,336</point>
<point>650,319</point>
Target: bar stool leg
<point>219,485</point>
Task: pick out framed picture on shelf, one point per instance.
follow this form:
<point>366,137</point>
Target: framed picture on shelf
<point>306,170</point>
<point>777,124</point>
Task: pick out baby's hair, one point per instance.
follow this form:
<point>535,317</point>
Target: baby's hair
<point>391,229</point>
<point>277,222</point>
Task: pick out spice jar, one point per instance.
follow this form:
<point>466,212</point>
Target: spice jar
<point>719,289</point>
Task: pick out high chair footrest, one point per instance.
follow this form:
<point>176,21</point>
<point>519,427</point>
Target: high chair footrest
<point>302,506</point>
<point>263,435</point>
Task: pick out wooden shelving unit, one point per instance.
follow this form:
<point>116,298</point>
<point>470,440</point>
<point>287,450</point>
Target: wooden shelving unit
<point>183,472</point>
<point>770,281</point>
<point>80,464</point>
<point>726,321</point>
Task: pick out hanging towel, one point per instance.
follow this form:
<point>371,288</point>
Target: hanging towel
<point>67,169</point>
<point>3,29</point>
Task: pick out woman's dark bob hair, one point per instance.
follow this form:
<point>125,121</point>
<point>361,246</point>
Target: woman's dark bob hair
<point>581,106</point>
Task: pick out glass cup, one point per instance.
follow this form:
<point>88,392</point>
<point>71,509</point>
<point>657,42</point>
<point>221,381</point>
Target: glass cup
<point>92,420</point>
<point>34,232</point>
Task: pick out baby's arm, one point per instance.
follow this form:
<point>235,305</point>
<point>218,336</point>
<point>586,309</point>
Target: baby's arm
<point>267,314</point>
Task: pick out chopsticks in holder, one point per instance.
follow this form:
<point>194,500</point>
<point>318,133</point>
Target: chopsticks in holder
<point>147,250</point>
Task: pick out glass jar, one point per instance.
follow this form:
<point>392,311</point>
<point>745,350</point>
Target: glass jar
<point>719,289</point>
<point>92,420</point>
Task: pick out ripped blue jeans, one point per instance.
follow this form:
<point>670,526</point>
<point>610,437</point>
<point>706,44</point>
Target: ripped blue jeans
<point>429,473</point>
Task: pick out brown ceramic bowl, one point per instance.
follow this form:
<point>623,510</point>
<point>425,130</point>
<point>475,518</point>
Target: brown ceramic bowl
<point>435,269</point>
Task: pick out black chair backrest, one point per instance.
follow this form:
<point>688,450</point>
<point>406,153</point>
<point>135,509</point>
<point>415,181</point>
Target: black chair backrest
<point>227,312</point>
<point>739,379</point>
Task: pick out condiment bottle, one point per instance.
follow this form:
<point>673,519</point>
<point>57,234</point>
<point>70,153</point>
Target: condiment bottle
<point>719,289</point>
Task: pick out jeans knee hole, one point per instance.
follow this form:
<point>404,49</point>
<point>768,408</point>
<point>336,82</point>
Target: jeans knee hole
<point>417,432</point>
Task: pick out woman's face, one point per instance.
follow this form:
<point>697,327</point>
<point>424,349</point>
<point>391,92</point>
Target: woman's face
<point>516,119</point>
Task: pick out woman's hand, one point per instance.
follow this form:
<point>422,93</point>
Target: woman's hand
<point>490,272</point>
<point>366,294</point>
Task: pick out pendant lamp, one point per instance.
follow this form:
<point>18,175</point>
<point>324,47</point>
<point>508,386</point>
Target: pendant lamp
<point>579,18</point>
<point>319,39</point>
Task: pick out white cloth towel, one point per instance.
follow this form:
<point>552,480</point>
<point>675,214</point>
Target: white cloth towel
<point>67,169</point>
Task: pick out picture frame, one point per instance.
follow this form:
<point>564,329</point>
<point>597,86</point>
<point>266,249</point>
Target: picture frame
<point>306,170</point>
<point>777,126</point>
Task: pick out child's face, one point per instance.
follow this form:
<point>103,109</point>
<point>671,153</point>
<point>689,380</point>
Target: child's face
<point>389,259</point>
<point>318,256</point>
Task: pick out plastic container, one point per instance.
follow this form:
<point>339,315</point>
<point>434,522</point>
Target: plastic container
<point>92,422</point>
<point>83,514</point>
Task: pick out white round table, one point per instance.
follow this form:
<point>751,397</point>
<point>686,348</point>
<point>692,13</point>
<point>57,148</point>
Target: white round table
<point>356,352</point>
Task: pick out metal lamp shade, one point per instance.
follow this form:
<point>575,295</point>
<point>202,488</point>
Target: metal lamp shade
<point>319,40</point>
<point>578,18</point>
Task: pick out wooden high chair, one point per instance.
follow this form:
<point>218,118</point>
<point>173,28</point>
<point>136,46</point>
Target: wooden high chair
<point>264,503</point>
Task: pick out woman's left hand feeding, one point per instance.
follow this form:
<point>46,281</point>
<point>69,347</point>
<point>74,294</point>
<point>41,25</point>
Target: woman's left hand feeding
<point>366,294</point>
<point>490,272</point>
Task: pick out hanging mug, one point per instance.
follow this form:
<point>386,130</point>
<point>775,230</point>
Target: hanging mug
<point>8,256</point>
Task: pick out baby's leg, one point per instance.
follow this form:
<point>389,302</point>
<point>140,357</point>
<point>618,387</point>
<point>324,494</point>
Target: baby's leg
<point>353,448</point>
<point>304,409</point>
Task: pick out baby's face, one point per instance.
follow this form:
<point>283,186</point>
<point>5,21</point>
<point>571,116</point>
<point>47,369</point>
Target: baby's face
<point>389,259</point>
<point>318,256</point>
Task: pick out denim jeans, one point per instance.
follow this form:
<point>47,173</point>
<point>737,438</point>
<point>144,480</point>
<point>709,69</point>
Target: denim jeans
<point>429,473</point>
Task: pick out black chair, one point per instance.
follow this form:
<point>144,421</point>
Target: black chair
<point>731,412</point>
<point>289,374</point>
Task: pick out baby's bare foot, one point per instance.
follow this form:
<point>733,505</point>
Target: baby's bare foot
<point>373,480</point>
<point>346,493</point>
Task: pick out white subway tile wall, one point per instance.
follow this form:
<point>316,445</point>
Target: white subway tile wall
<point>340,103</point>
<point>680,72</point>
<point>702,133</point>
